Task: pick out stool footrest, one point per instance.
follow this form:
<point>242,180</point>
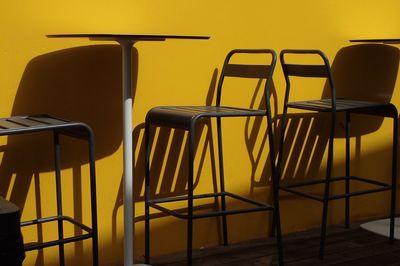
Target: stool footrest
<point>292,188</point>
<point>258,206</point>
<point>33,246</point>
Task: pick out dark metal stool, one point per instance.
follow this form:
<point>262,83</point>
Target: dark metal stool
<point>187,118</point>
<point>332,106</point>
<point>11,244</point>
<point>29,124</point>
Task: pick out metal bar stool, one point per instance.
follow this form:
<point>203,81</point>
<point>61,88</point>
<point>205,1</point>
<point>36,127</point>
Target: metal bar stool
<point>11,244</point>
<point>29,124</point>
<point>187,118</point>
<point>332,106</point>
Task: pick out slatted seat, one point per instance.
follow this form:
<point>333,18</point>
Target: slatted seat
<point>187,118</point>
<point>26,124</point>
<point>342,105</point>
<point>332,106</point>
<point>38,123</point>
<point>182,116</point>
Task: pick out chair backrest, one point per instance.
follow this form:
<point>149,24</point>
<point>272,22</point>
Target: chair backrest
<point>254,71</point>
<point>307,70</point>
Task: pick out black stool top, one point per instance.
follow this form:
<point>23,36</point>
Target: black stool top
<point>325,105</point>
<point>27,124</point>
<point>182,116</point>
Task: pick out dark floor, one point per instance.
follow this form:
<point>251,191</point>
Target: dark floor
<point>353,246</point>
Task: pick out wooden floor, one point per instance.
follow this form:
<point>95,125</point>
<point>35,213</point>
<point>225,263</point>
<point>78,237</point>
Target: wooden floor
<point>348,247</point>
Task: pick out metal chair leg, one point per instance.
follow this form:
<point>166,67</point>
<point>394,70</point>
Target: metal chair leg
<point>95,247</point>
<point>277,222</point>
<point>347,182</point>
<point>327,188</point>
<point>222,181</point>
<point>323,227</point>
<point>56,139</point>
<point>147,194</point>
<point>190,197</point>
<point>394,177</point>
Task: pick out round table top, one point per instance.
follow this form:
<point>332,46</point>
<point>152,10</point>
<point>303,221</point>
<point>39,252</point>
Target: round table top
<point>377,40</point>
<point>127,37</point>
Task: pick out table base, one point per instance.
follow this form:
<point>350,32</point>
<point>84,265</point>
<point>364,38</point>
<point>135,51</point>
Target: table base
<point>381,227</point>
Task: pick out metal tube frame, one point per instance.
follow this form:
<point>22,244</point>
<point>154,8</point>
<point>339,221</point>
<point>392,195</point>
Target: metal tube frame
<point>67,129</point>
<point>384,110</point>
<point>190,216</point>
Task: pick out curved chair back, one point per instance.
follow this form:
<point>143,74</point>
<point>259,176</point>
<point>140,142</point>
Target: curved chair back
<point>254,71</point>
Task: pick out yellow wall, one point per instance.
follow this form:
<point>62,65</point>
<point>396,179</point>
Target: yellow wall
<point>80,80</point>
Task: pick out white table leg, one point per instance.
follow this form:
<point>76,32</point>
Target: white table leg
<point>381,227</point>
<point>128,152</point>
<point>129,211</point>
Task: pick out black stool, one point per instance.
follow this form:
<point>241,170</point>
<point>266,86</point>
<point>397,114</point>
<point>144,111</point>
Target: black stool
<point>29,124</point>
<point>11,244</point>
<point>331,107</point>
<point>188,118</point>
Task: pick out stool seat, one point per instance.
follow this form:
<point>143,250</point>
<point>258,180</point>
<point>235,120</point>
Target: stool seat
<point>325,105</point>
<point>182,116</point>
<point>33,123</point>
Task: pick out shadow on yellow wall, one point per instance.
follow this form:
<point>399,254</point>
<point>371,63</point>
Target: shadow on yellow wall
<point>365,72</point>
<point>84,84</point>
<point>80,84</point>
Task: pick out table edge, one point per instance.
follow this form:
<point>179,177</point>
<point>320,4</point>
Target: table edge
<point>377,40</point>
<point>144,37</point>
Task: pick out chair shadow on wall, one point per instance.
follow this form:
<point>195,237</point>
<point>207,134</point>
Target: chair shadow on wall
<point>361,72</point>
<point>79,84</point>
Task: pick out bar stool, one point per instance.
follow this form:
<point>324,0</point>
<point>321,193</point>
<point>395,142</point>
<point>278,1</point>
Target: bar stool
<point>29,124</point>
<point>11,243</point>
<point>187,118</point>
<point>331,107</point>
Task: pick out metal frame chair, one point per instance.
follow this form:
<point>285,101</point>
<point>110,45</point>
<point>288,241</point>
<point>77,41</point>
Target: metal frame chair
<point>187,118</point>
<point>333,106</point>
<point>29,124</point>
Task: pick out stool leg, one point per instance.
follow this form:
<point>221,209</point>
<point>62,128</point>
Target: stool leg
<point>95,247</point>
<point>276,221</point>
<point>394,177</point>
<point>279,168</point>
<point>282,134</point>
<point>324,221</point>
<point>222,180</point>
<point>347,182</point>
<point>327,189</point>
<point>147,194</point>
<point>59,196</point>
<point>190,196</point>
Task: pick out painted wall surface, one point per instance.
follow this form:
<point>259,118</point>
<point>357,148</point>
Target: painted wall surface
<point>81,80</point>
